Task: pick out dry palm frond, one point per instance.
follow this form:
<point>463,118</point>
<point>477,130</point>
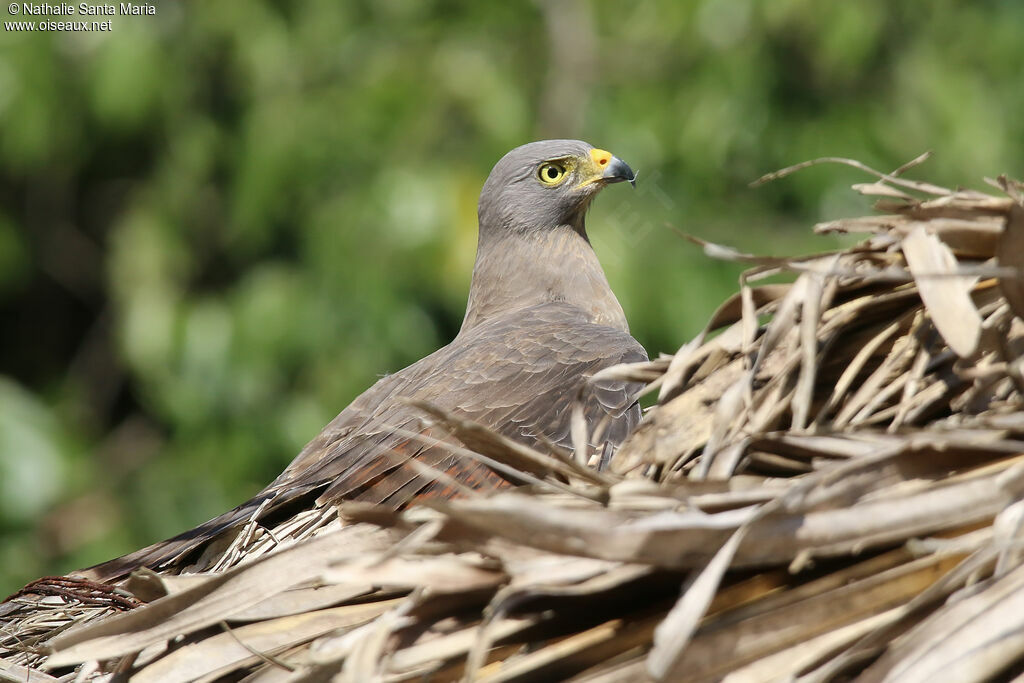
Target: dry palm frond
<point>830,484</point>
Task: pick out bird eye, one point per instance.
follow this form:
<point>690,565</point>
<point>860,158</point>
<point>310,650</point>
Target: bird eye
<point>551,173</point>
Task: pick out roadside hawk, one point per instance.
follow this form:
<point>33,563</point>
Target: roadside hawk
<point>540,319</point>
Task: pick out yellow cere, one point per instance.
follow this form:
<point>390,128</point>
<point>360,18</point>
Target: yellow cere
<point>600,157</point>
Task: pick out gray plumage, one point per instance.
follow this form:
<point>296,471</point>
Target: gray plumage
<point>540,319</point>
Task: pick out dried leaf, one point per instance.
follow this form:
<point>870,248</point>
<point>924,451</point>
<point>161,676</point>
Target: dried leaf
<point>809,323</point>
<point>1010,253</point>
<point>208,603</point>
<point>220,654</point>
<point>15,673</point>
<point>946,293</point>
<point>971,639</point>
<point>674,633</point>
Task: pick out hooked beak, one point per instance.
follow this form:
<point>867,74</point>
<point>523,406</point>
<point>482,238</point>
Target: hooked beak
<point>617,171</point>
<point>613,169</point>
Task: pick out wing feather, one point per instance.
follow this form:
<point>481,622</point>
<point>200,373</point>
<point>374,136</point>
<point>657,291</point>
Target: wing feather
<point>519,374</point>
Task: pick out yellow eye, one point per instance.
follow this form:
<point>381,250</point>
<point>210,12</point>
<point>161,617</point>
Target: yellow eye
<point>551,173</point>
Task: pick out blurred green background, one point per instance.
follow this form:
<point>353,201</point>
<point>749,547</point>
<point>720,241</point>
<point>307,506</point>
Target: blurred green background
<point>221,223</point>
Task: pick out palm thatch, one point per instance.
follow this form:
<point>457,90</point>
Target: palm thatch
<point>829,486</point>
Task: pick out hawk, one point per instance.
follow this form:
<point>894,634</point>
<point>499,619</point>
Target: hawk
<point>540,320</point>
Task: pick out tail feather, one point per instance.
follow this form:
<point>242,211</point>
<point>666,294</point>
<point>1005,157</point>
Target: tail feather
<point>171,551</point>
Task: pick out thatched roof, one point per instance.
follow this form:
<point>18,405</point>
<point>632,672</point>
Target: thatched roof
<point>830,484</point>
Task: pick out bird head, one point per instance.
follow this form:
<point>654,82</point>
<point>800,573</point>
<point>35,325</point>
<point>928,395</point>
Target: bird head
<point>547,184</point>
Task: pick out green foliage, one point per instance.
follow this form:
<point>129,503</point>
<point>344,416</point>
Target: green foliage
<point>219,224</point>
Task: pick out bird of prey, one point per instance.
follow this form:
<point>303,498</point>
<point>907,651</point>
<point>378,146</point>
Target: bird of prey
<point>540,320</point>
